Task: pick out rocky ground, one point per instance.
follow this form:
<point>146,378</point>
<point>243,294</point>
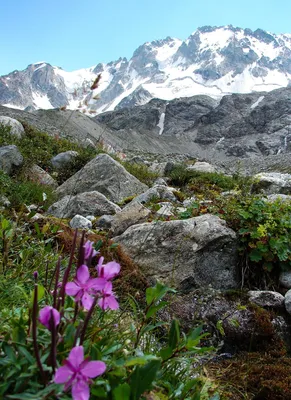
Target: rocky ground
<point>175,233</point>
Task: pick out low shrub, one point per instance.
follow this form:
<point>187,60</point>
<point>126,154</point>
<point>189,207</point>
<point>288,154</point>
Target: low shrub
<point>203,182</point>
<point>39,148</point>
<point>21,193</point>
<point>141,172</point>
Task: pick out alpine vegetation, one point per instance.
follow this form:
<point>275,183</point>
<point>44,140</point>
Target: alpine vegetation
<point>76,340</point>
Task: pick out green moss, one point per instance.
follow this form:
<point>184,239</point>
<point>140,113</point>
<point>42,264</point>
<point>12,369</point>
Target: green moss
<point>141,172</point>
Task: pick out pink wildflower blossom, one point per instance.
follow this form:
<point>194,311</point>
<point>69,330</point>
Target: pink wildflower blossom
<point>108,299</point>
<point>89,250</point>
<point>84,287</point>
<point>76,373</point>
<point>45,315</point>
<point>109,270</point>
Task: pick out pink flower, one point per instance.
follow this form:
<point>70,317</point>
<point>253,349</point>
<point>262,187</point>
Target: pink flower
<point>109,270</point>
<point>76,372</point>
<point>46,314</point>
<point>108,299</point>
<point>89,250</point>
<point>83,287</point>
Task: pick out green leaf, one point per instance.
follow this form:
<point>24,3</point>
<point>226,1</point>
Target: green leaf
<point>122,392</point>
<point>255,255</point>
<point>26,354</point>
<point>99,392</point>
<point>156,293</point>
<point>70,333</point>
<point>219,327</point>
<point>154,309</point>
<point>38,232</point>
<point>174,335</point>
<point>150,327</point>
<point>19,334</point>
<point>193,339</point>
<point>112,349</point>
<point>142,378</point>
<point>166,353</point>
<point>140,360</point>
<point>98,245</point>
<point>9,351</point>
<point>40,294</point>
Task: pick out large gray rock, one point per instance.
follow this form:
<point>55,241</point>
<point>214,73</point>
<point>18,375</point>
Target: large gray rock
<point>39,175</point>
<point>272,183</point>
<point>132,214</point>
<point>10,157</point>
<point>61,160</point>
<point>16,128</point>
<point>200,251</point>
<point>84,204</point>
<point>105,175</point>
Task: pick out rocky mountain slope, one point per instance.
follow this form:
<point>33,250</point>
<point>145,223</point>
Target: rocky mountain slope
<point>240,125</point>
<point>254,127</point>
<point>213,61</point>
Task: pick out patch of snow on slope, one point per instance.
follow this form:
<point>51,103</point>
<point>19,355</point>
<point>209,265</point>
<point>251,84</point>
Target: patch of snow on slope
<point>42,65</point>
<point>264,49</point>
<point>12,106</point>
<point>76,79</point>
<point>41,102</point>
<point>257,102</point>
<point>166,52</point>
<point>216,39</point>
<point>161,123</point>
<point>134,84</point>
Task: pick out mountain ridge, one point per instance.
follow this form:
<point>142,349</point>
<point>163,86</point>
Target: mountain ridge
<point>212,61</point>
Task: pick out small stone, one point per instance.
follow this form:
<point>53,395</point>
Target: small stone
<point>201,166</point>
<point>160,181</point>
<point>61,160</point>
<point>80,222</point>
<point>104,222</point>
<point>285,279</point>
<point>266,298</point>
<point>166,210</point>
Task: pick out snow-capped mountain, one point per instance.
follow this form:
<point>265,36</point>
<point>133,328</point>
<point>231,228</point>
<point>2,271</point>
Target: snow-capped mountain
<point>213,61</point>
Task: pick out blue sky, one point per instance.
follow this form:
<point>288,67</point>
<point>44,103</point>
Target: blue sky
<point>77,34</point>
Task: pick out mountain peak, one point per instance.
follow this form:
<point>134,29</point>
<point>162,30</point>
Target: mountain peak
<point>214,61</point>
